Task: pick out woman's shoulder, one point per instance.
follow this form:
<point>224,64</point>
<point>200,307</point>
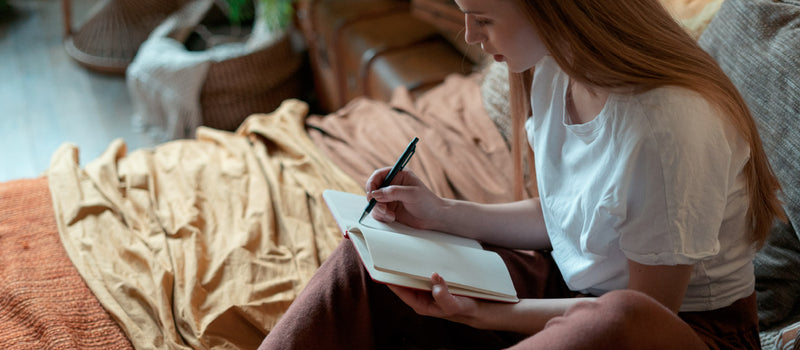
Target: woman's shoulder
<point>672,95</point>
<point>672,108</point>
<point>679,117</point>
<point>672,100</point>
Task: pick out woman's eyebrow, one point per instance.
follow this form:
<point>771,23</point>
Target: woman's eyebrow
<point>469,12</point>
<point>472,12</point>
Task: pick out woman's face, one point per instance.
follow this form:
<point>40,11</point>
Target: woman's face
<point>503,31</point>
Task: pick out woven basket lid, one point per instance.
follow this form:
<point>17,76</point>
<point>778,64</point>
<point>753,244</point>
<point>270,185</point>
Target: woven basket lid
<point>107,42</point>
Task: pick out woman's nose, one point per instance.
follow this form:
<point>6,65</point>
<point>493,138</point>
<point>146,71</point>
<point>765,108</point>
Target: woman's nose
<point>471,35</point>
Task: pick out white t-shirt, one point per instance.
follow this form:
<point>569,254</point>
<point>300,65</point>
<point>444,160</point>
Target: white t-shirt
<point>656,178</point>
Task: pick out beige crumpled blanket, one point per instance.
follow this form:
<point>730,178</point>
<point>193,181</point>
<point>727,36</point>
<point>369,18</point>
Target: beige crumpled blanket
<point>200,243</point>
<point>204,243</point>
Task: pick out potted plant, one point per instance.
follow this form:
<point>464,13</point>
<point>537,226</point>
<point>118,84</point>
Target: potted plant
<point>271,19</point>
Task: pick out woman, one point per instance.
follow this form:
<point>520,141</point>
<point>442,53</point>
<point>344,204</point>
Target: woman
<point>654,195</point>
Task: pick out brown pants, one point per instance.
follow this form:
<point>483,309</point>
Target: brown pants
<point>342,308</point>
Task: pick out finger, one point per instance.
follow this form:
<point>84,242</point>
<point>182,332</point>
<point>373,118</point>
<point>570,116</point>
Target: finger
<point>441,294</point>
<point>376,179</point>
<point>381,213</point>
<point>403,292</point>
<point>404,178</point>
<point>422,303</point>
<point>396,193</point>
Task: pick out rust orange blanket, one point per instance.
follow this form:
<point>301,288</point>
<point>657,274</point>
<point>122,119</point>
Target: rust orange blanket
<point>44,302</point>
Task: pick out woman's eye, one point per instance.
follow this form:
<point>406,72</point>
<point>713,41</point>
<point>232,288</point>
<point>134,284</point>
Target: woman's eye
<point>480,22</point>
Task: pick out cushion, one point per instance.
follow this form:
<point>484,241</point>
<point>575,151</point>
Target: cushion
<point>777,268</point>
<point>757,43</point>
<point>788,339</point>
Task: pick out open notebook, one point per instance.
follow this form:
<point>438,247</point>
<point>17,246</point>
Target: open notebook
<point>401,255</point>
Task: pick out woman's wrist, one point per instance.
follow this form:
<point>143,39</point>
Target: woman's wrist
<point>446,216</point>
<point>489,315</point>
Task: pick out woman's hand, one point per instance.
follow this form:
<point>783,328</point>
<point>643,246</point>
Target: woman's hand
<point>439,302</point>
<point>407,200</point>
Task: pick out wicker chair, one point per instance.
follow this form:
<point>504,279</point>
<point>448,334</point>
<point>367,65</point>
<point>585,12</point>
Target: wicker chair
<point>107,42</point>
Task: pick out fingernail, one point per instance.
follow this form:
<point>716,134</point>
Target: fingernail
<point>436,289</point>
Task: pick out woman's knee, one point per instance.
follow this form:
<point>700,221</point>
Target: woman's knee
<point>631,305</point>
<point>611,310</point>
<point>343,264</point>
<point>622,319</point>
<point>624,313</point>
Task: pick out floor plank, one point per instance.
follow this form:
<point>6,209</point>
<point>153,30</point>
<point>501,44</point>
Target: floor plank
<point>47,99</point>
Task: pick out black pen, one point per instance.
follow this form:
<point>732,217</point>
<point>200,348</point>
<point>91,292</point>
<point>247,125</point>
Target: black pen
<point>401,162</point>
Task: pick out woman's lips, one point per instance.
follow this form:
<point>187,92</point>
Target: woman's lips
<point>499,58</point>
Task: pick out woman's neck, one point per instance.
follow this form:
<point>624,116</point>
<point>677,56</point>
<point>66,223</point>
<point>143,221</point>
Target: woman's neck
<point>584,103</point>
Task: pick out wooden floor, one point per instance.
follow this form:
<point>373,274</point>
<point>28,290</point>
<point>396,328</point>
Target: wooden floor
<point>47,99</point>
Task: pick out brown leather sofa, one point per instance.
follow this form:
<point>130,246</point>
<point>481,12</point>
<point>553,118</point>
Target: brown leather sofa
<point>370,47</point>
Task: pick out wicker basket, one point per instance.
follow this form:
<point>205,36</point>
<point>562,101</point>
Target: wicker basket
<point>254,83</point>
<point>242,77</point>
<point>107,42</point>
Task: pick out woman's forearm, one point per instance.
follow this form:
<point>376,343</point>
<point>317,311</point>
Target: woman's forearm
<point>528,316</point>
<point>518,225</point>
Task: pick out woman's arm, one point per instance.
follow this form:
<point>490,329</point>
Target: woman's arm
<point>528,316</point>
<point>517,225</point>
<point>666,284</point>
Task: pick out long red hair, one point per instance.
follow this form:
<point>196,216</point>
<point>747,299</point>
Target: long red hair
<point>637,44</point>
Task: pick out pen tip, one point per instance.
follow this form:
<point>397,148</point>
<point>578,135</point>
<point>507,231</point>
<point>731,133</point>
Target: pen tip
<point>362,217</point>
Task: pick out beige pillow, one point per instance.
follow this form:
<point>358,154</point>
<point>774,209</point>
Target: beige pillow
<point>694,16</point>
<point>495,95</point>
<point>494,91</point>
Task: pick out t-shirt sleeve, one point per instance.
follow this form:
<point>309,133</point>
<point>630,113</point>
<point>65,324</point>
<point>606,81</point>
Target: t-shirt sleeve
<point>676,184</point>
